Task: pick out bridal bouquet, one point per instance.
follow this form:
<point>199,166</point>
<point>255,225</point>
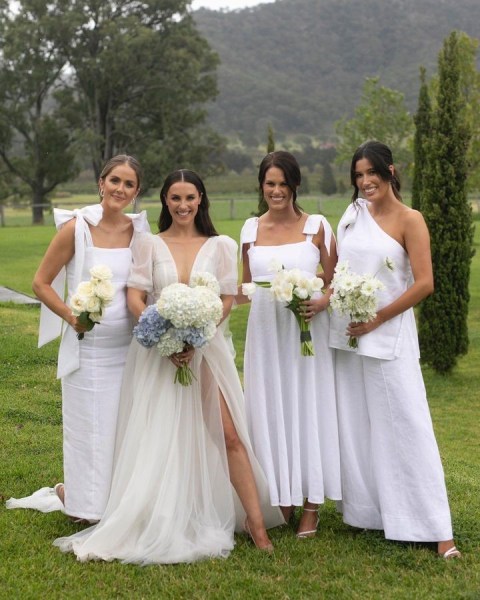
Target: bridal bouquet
<point>291,287</point>
<point>184,316</point>
<point>91,297</point>
<point>356,295</point>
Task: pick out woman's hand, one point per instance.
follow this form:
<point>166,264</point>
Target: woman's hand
<point>75,323</point>
<point>358,329</point>
<point>313,306</point>
<point>183,358</point>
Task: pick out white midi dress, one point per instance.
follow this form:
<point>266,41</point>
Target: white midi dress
<point>290,398</point>
<point>171,499</point>
<point>392,476</point>
<point>91,373</point>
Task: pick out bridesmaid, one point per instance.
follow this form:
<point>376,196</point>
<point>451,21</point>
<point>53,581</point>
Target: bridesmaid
<point>290,398</point>
<point>392,476</point>
<point>91,369</point>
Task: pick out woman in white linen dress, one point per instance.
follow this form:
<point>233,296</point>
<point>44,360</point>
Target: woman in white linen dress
<point>179,447</point>
<point>90,369</point>
<point>392,476</point>
<point>290,398</point>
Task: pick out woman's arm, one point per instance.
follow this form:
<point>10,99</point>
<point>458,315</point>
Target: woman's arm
<point>136,301</point>
<point>246,277</point>
<point>328,260</point>
<point>59,253</point>
<point>417,244</point>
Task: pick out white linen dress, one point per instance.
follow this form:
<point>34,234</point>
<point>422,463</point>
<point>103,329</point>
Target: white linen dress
<point>392,476</point>
<point>290,398</point>
<point>91,373</point>
<point>171,499</point>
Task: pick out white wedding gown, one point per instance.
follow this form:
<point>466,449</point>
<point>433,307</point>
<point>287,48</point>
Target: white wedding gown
<point>171,498</point>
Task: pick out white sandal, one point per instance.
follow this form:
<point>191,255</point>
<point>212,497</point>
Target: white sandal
<point>311,532</point>
<point>451,553</point>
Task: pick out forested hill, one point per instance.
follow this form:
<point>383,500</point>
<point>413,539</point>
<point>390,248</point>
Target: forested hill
<point>300,64</point>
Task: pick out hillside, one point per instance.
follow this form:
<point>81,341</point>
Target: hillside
<point>300,64</point>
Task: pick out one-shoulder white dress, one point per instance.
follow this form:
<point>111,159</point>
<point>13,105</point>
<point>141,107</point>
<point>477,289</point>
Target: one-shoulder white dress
<point>392,476</point>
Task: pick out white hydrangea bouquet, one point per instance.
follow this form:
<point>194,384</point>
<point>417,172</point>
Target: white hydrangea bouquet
<point>356,295</point>
<point>291,287</point>
<point>184,316</point>
<point>91,297</point>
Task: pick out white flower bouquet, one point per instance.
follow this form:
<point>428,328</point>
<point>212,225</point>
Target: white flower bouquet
<point>356,295</point>
<point>92,297</point>
<point>184,316</point>
<point>291,287</point>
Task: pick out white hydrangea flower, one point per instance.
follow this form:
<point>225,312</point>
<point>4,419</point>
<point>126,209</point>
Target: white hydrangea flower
<point>169,344</point>
<point>205,279</point>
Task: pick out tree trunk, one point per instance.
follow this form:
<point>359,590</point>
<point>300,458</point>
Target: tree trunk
<point>37,208</point>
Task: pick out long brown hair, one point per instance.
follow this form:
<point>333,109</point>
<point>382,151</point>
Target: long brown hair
<point>202,220</point>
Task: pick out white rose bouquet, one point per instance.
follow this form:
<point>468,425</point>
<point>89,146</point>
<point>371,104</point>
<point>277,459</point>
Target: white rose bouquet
<point>356,295</point>
<point>92,297</point>
<point>291,287</point>
<point>184,316</point>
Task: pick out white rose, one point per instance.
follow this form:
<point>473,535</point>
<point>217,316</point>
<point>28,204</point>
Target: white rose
<point>274,266</point>
<point>85,288</point>
<point>248,289</point>
<point>93,305</point>
<point>78,304</point>
<point>104,290</point>
<point>101,272</point>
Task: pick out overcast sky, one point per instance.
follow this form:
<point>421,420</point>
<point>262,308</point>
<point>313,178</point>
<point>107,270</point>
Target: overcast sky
<point>226,4</point>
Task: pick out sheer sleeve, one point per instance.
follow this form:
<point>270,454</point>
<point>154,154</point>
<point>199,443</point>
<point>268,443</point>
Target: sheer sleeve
<point>227,269</point>
<point>141,273</point>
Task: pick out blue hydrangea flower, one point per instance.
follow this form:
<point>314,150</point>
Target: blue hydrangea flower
<point>151,326</point>
<point>194,336</point>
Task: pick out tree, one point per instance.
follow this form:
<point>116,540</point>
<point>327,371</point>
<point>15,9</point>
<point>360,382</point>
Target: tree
<point>381,115</point>
<point>262,204</point>
<point>36,142</point>
<point>422,120</point>
<point>141,74</point>
<point>443,327</point>
<point>328,185</point>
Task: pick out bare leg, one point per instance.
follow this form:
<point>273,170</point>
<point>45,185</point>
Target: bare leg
<point>287,512</point>
<point>241,476</point>
<point>309,520</point>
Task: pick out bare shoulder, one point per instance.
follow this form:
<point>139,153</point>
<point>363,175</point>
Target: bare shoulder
<point>411,218</point>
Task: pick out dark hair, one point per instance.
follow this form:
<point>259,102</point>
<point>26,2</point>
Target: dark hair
<point>202,220</point>
<point>381,158</point>
<point>123,159</point>
<point>288,164</point>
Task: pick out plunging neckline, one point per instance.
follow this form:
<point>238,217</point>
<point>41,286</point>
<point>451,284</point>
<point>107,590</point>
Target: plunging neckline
<point>194,260</point>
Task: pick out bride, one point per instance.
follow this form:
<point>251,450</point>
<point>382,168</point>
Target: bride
<point>185,476</point>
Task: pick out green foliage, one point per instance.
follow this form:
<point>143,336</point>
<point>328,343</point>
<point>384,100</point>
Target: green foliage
<point>443,327</point>
<point>141,74</point>
<point>262,204</point>
<point>328,184</point>
<point>36,143</point>
<point>420,143</point>
<point>381,115</point>
<point>312,74</point>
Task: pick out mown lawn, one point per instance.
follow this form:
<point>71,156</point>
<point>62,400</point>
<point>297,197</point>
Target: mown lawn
<point>340,563</point>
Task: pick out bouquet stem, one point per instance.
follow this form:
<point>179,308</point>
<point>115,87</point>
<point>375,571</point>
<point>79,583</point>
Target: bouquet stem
<point>306,344</point>
<point>353,342</point>
<point>184,375</point>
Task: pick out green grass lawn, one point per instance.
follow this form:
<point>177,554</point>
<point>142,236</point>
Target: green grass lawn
<point>340,563</point>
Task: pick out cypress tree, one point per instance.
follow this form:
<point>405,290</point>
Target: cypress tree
<point>262,205</point>
<point>328,185</point>
<point>443,328</point>
<point>422,121</point>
